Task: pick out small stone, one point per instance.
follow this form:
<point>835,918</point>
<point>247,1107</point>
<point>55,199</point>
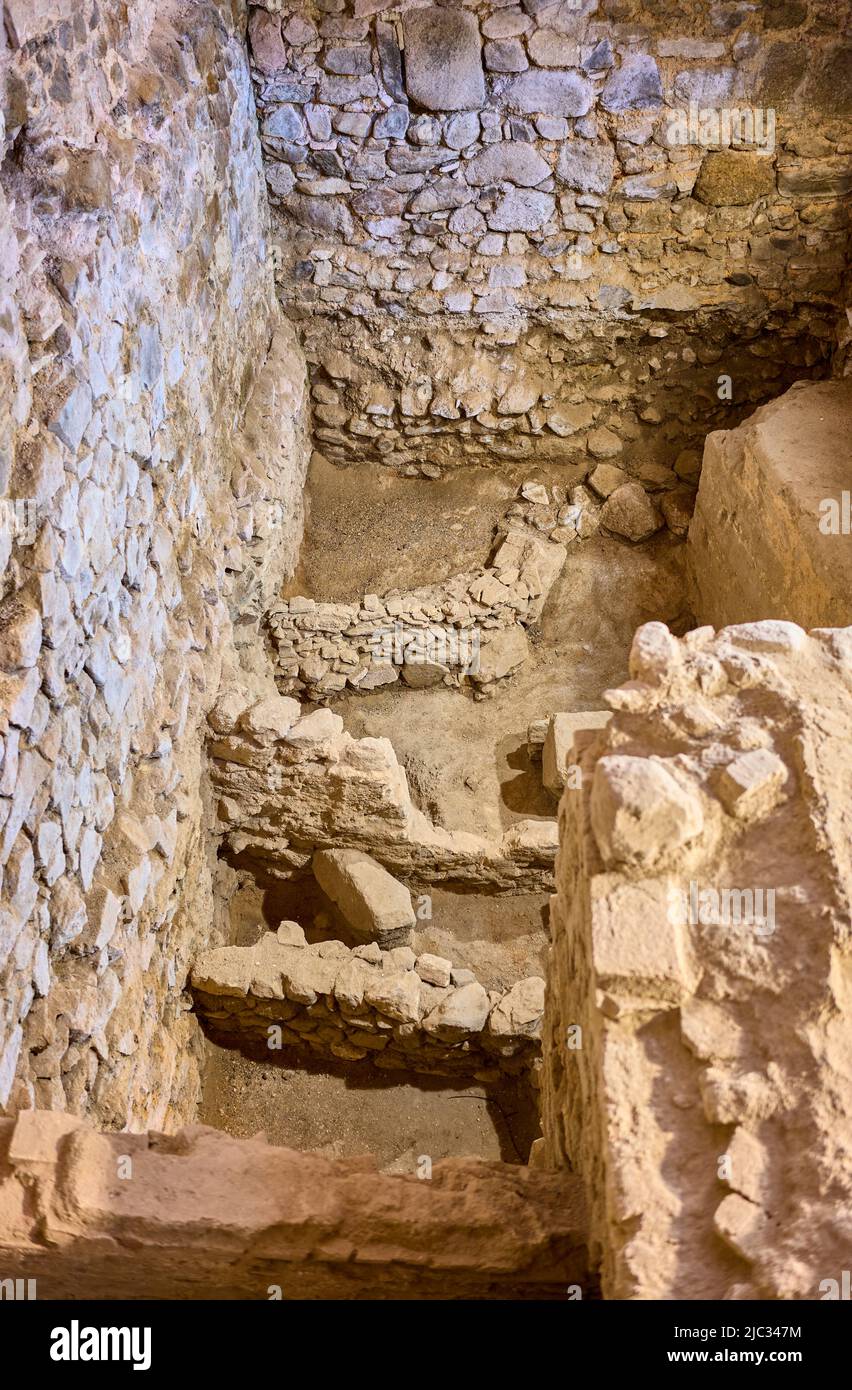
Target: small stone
<point>634,86</point>
<point>522,210</point>
<point>750,786</point>
<point>732,178</point>
<point>462,1012</point>
<point>742,1225</point>
<point>552,50</point>
<point>291,934</point>
<point>604,444</point>
<point>462,130</point>
<point>371,952</point>
<point>397,996</point>
<point>272,717</point>
<point>510,161</point>
<point>629,512</point>
<point>587,165</point>
<point>505,55</point>
<point>640,955</point>
<point>462,977</point>
<point>402,958</point>
<point>535,492</point>
<point>20,633</point>
<point>435,970</point>
<point>520,1011</point>
<point>606,478</point>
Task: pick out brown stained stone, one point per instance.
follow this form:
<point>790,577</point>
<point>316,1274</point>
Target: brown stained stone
<point>733,178</point>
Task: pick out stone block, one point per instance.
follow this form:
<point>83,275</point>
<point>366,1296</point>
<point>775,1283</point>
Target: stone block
<point>733,178</point>
<point>375,905</point>
<point>640,812</point>
<point>640,953</point>
<point>557,751</point>
<point>551,93</point>
<point>443,59</point>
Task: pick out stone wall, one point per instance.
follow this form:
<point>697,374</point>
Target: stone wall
<point>465,630</point>
<point>698,1024</point>
<point>138,315</point>
<point>222,1218</point>
<point>510,235</point>
<point>288,783</point>
<point>772,532</point>
<point>390,1009</point>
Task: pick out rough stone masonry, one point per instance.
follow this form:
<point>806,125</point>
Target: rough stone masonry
<point>505,235</point>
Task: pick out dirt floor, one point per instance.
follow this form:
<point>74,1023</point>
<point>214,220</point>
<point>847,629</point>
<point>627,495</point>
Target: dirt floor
<point>368,530</point>
<point>350,1112</point>
<point>500,939</point>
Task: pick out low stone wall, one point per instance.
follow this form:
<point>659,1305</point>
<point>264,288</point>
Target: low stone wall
<point>699,1016</point>
<point>288,783</point>
<point>467,628</point>
<point>210,1217</point>
<point>391,1009</point>
<point>772,531</point>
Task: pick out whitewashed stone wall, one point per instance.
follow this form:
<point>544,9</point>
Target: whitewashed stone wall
<point>137,314</point>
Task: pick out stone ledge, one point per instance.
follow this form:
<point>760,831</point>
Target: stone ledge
<point>207,1216</point>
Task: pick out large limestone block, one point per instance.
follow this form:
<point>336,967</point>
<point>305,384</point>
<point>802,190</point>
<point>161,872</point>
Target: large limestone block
<point>376,906</point>
<point>772,532</point>
<point>443,60</point>
<point>557,753</point>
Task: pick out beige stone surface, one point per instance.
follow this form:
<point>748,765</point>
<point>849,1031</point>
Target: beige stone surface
<point>211,1217</point>
<point>698,1022</point>
<point>768,538</point>
<point>385,1009</point>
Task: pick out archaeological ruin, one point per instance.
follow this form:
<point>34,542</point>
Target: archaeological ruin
<point>426,650</point>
